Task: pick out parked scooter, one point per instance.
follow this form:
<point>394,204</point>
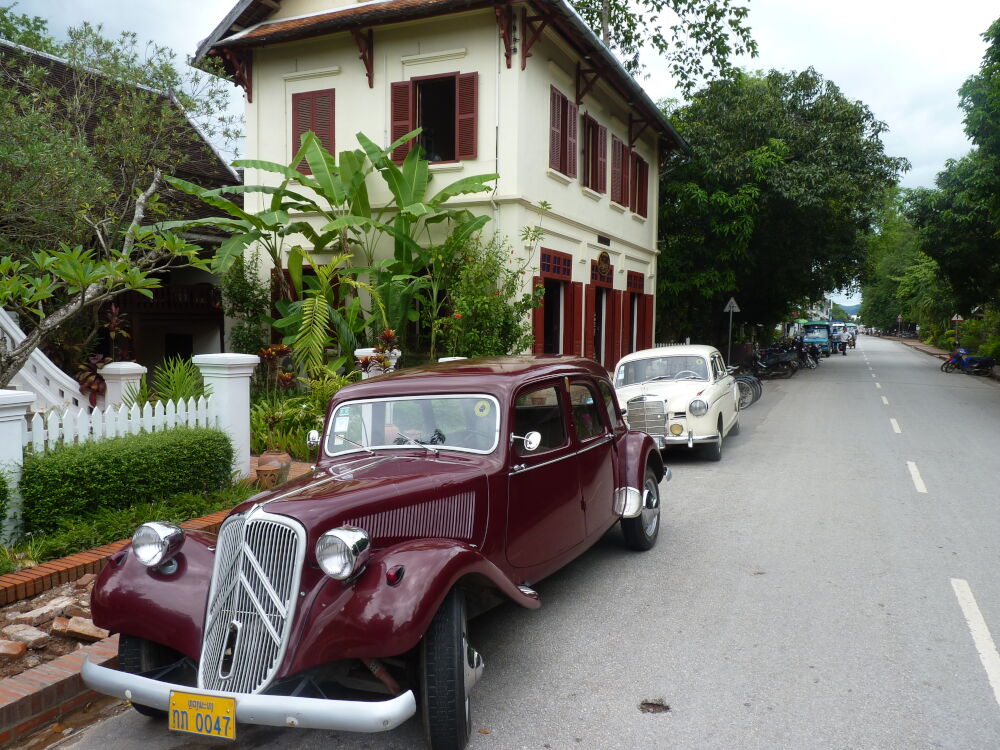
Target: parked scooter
<point>960,360</point>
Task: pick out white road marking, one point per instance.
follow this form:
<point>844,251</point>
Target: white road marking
<point>895,426</point>
<point>980,633</point>
<point>885,401</point>
<point>915,475</point>
<point>873,374</point>
<point>878,385</point>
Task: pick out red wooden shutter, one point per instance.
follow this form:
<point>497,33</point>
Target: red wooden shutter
<point>626,175</point>
<point>618,349</point>
<point>466,106</point>
<point>401,116</point>
<point>555,129</point>
<point>572,120</point>
<point>602,159</point>
<point>538,321</point>
<point>633,168</point>
<point>616,170</point>
<point>588,332</point>
<point>315,111</point>
<point>647,320</point>
<point>577,297</point>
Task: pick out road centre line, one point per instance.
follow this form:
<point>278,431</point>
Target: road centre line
<point>895,426</point>
<point>878,385</point>
<point>885,401</point>
<point>873,374</point>
<point>980,633</point>
<point>915,475</point>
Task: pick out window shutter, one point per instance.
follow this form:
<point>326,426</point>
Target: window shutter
<point>643,188</point>
<point>647,322</point>
<point>588,341</point>
<point>538,321</point>
<point>618,349</point>
<point>572,120</point>
<point>555,129</point>
<point>315,111</point>
<point>616,170</point>
<point>576,296</point>
<point>401,116</point>
<point>602,159</point>
<point>466,106</point>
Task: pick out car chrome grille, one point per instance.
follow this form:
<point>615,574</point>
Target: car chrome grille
<point>647,414</point>
<point>258,563</point>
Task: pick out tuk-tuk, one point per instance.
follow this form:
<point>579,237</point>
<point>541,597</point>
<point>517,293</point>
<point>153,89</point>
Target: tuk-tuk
<point>817,332</point>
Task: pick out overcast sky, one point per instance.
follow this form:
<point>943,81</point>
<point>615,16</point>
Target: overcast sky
<point>905,59</point>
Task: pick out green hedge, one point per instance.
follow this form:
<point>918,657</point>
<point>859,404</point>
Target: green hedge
<point>78,481</point>
<point>4,494</point>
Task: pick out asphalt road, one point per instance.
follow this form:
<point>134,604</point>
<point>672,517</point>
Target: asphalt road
<point>804,593</point>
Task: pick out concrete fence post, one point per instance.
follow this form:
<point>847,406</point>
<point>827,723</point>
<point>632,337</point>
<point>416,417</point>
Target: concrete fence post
<point>119,377</point>
<point>228,376</point>
<point>13,406</point>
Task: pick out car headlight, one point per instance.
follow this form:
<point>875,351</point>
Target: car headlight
<point>343,551</point>
<point>156,542</point>
<point>698,408</point>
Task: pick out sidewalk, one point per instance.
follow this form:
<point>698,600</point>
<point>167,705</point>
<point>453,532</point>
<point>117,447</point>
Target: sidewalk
<point>921,347</point>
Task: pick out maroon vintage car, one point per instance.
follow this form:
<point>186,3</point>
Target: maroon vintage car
<point>340,601</point>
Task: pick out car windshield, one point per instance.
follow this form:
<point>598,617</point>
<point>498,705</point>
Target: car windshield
<point>464,422</point>
<point>816,332</point>
<point>675,367</point>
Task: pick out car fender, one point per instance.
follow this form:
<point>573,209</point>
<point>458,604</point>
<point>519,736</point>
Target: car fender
<point>130,598</point>
<point>638,451</point>
<point>369,618</point>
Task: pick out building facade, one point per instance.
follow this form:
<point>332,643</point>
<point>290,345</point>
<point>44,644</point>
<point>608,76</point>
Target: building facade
<point>522,89</point>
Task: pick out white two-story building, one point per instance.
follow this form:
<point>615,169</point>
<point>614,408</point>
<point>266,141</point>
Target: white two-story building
<point>523,89</point>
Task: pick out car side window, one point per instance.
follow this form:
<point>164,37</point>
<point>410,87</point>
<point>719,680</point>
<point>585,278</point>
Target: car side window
<point>586,413</point>
<point>609,405</point>
<point>539,410</point>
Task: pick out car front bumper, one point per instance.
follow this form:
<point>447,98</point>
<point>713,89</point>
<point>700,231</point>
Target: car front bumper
<point>689,439</point>
<point>267,710</point>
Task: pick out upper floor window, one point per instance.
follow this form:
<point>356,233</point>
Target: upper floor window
<point>639,185</point>
<point>595,155</point>
<point>444,107</point>
<point>562,133</point>
<point>620,163</point>
<point>313,110</point>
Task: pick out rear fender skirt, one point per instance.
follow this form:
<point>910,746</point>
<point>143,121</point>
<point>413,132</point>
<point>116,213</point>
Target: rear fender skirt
<point>368,618</point>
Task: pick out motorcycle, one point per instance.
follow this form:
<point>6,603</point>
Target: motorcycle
<point>960,360</point>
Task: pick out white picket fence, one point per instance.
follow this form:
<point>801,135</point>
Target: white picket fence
<point>72,425</point>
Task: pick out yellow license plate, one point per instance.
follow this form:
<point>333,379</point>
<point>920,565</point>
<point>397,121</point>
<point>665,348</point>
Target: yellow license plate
<point>208,715</point>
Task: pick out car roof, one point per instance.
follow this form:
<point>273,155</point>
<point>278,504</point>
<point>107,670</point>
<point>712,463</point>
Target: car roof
<point>497,376</point>
<point>674,350</point>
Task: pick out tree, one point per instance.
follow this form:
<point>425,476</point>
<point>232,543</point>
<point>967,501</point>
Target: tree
<point>774,204</point>
<point>84,142</point>
<point>980,100</point>
<point>702,38</point>
<point>83,135</point>
<point>52,287</point>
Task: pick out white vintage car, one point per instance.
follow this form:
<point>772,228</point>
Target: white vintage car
<point>680,395</point>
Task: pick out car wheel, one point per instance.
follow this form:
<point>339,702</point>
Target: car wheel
<point>641,532</point>
<point>449,667</point>
<point>715,449</point>
<point>139,656</point>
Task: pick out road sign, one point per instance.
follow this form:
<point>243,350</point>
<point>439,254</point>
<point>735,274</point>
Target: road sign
<point>899,318</point>
<point>956,318</point>
<point>731,306</point>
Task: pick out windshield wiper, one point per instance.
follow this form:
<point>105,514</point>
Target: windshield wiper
<point>657,377</point>
<point>407,440</point>
<point>354,442</point>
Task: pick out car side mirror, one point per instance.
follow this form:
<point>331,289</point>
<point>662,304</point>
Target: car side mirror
<point>312,439</point>
<point>531,441</point>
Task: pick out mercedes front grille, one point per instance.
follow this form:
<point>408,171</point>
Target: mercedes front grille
<point>255,580</point>
<point>648,414</point>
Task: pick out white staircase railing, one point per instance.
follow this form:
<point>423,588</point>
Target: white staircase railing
<point>51,386</point>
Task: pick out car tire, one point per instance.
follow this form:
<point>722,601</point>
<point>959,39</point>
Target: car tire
<point>714,450</point>
<point>642,531</point>
<point>444,656</point>
<point>138,656</point>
